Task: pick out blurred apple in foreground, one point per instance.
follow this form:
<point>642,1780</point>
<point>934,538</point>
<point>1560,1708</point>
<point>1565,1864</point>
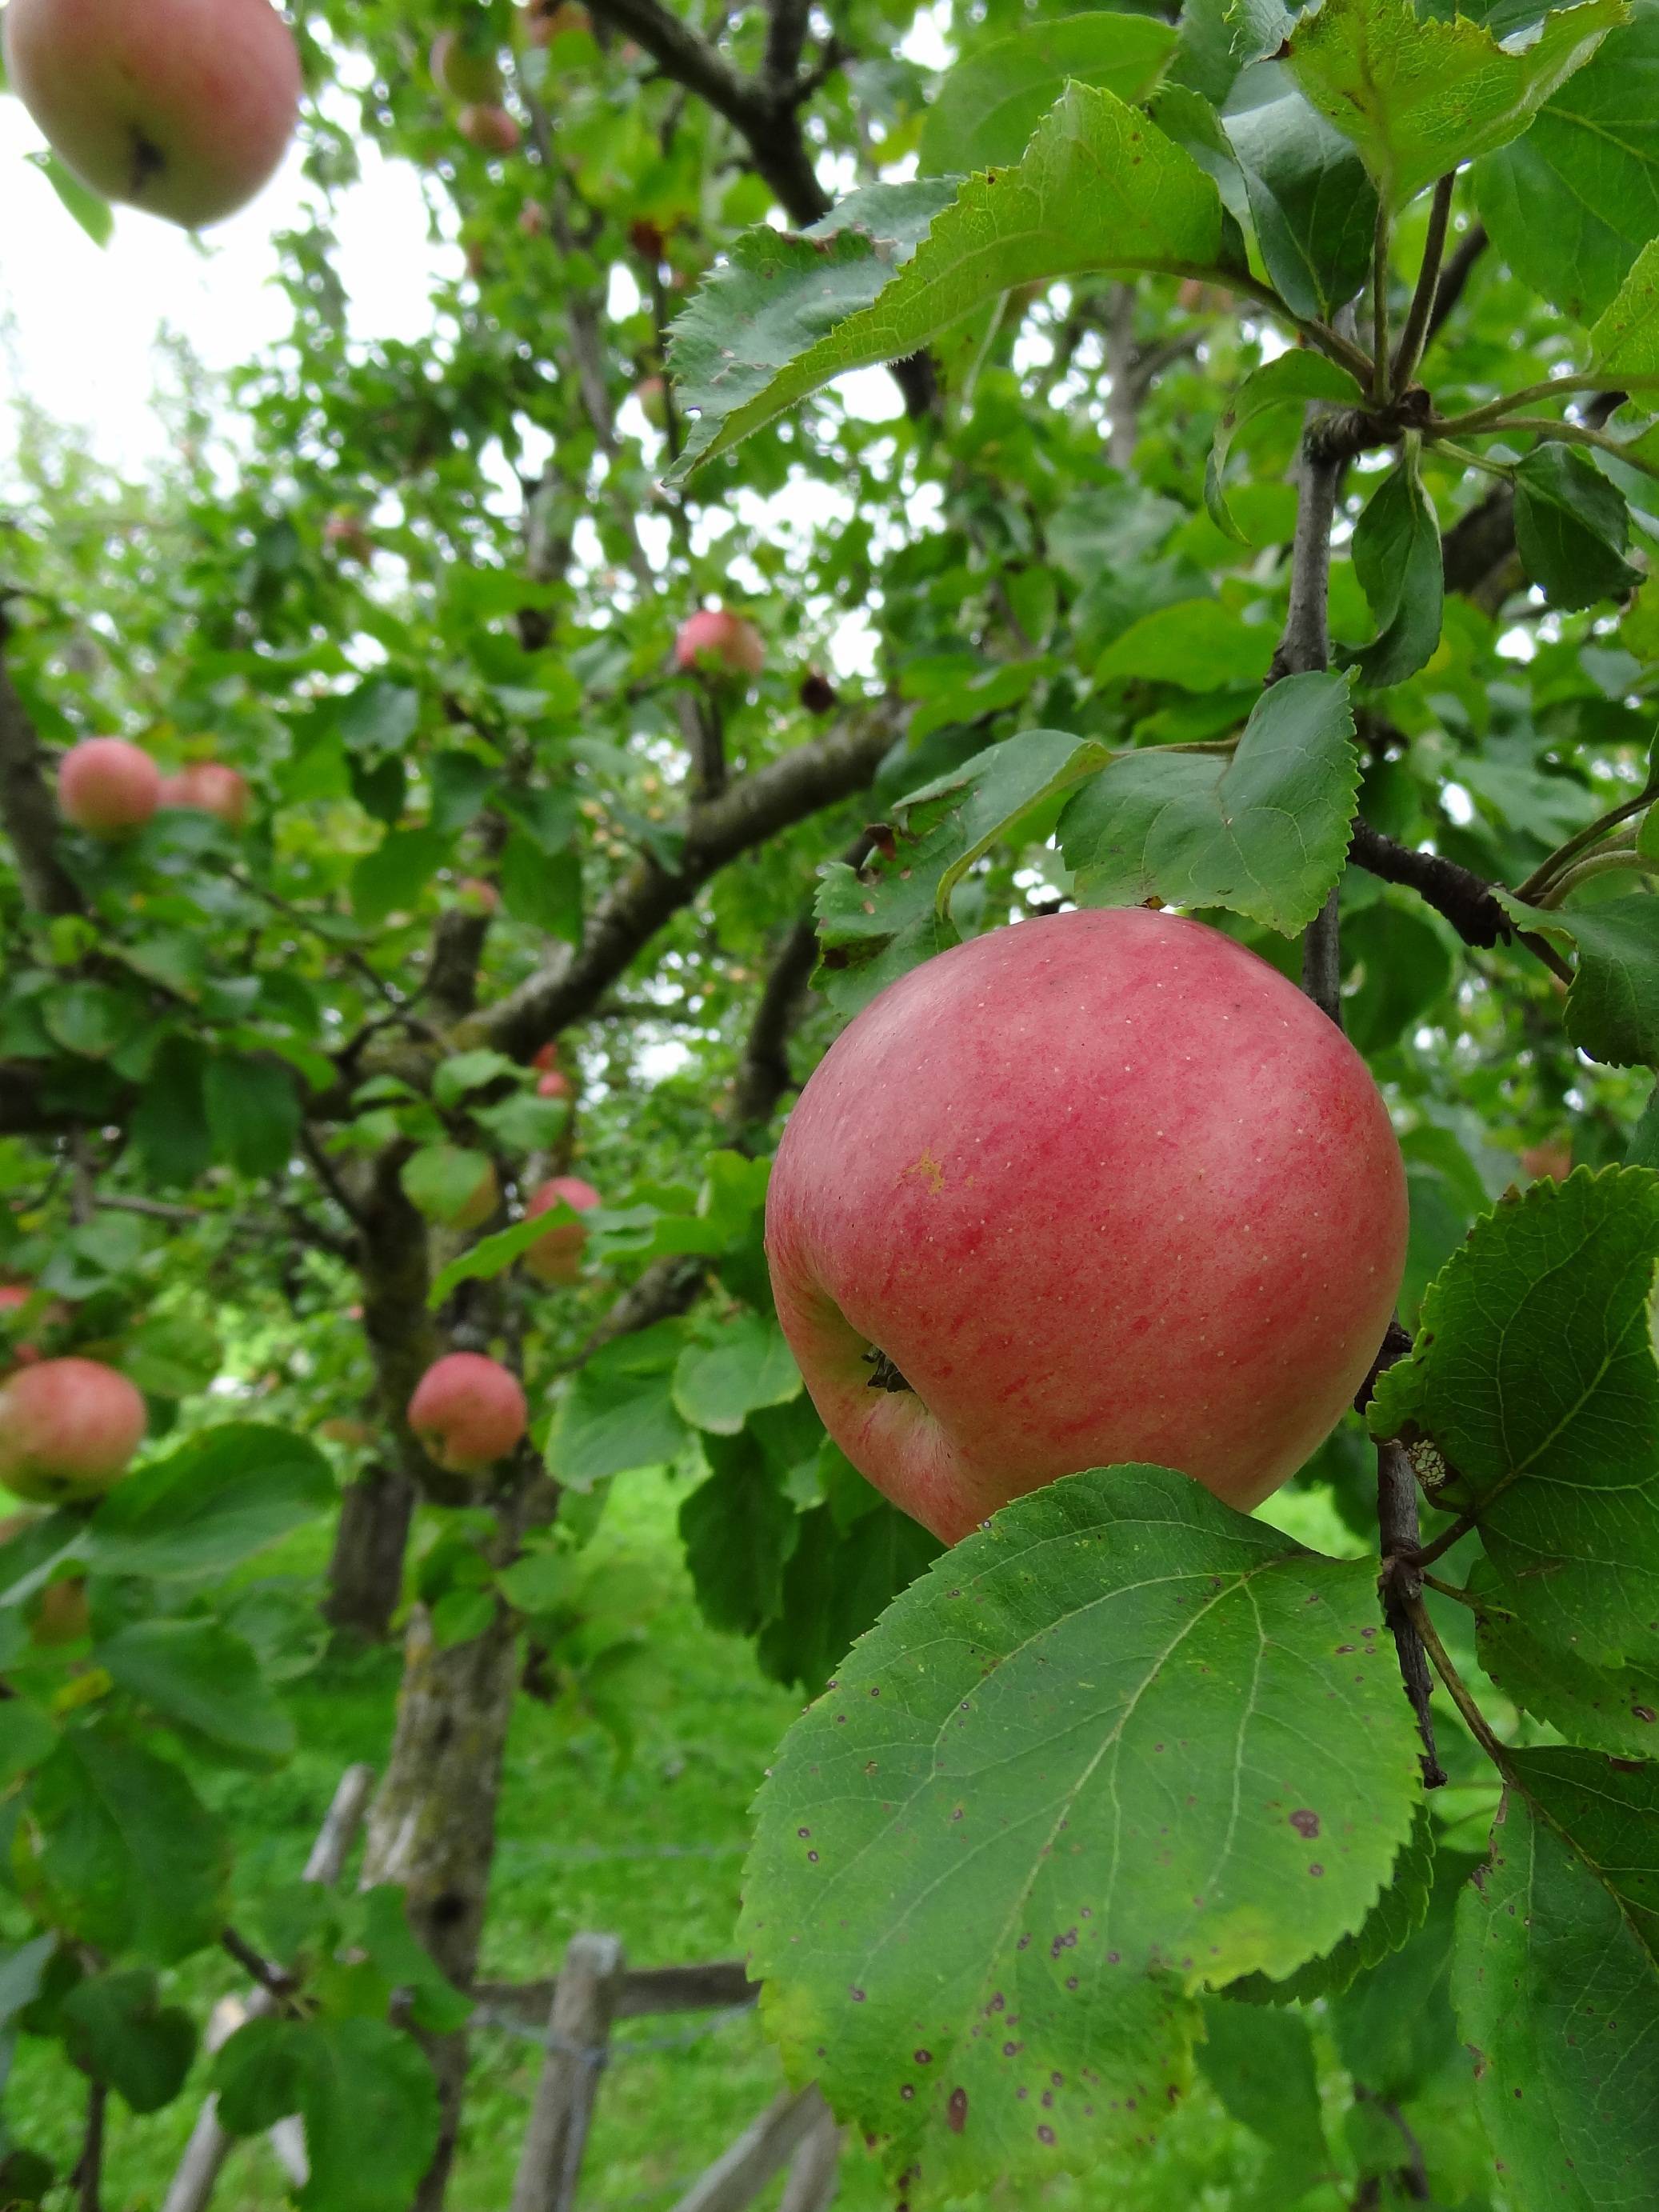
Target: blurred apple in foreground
<point>108,788</point>
<point>69,1429</point>
<point>184,107</point>
<point>1094,1188</point>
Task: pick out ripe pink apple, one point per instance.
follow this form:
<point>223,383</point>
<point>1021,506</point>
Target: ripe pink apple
<point>465,71</point>
<point>719,641</point>
<point>181,106</point>
<point>546,1058</point>
<point>108,787</point>
<point>209,788</point>
<point>553,1085</point>
<point>68,1429</point>
<point>557,1257</point>
<point>1101,1188</point>
<point>468,1412</point>
<point>491,128</point>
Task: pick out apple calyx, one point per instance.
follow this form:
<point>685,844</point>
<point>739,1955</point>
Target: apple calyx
<point>884,1375</point>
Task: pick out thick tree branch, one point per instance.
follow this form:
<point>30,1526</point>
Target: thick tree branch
<point>452,977</point>
<point>745,815</point>
<point>763,1073</point>
<point>1465,900</point>
<point>26,809</point>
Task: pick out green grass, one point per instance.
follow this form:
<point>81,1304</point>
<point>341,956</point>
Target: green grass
<point>650,1850</point>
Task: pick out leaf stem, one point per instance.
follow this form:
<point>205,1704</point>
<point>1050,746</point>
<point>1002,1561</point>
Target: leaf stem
<point>1458,1691</point>
<point>1615,860</point>
<point>1574,434</point>
<point>1452,1590</point>
<point>1554,388</point>
<point>1409,351</point>
<point>1581,841</point>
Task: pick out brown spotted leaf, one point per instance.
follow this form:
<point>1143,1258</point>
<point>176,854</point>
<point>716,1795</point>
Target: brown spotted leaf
<point>1119,1745</point>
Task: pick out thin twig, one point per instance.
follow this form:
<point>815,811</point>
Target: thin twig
<point>1454,278</point>
<point>87,2177</point>
<point>1401,1586</point>
<point>272,1980</point>
<point>1381,390</point>
<point>1479,1727</point>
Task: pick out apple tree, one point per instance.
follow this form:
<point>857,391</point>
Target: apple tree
<point>871,479</point>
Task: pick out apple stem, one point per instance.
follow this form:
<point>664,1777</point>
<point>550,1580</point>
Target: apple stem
<point>883,1376</point>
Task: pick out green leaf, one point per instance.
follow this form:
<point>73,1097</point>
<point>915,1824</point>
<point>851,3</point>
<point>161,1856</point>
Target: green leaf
<point>117,2029</point>
<point>1121,1744</point>
<point>1534,1374</point>
<point>1199,644</point>
<point>1419,97</point>
<point>379,717</point>
<point>1295,379</point>
<point>440,1180</point>
<point>91,1019</point>
<point>392,878</point>
<point>1572,526</point>
<point>216,1501</point>
<point>1261,2065</point>
<point>169,1123</point>
<point>1392,1922</point>
<point>355,2082</point>
<point>876,922</point>
<point>542,891</point>
<point>1264,831</point>
<point>26,1737</point>
<point>94,213</point>
<point>739,1529</point>
<point>1571,204</point>
<point>253,1113</point>
<point>852,1557</point>
<point>202,1678</point>
<point>1312,203</point>
<point>171,1356</point>
<point>407,1964</point>
<point>1613,1005</point>
<point>1397,559</point>
<point>618,1413</point>
<point>1625,344</point>
<point>116,1849</point>
<point>1556,1981</point>
<point>984,113</point>
<point>1611,1709</point>
<point>732,1371</point>
<point>1099,188</point>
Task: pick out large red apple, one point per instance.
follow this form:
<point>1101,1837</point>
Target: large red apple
<point>468,1412</point>
<point>107,787</point>
<point>557,1257</point>
<point>719,642</point>
<point>181,106</point>
<point>68,1429</point>
<point>1098,1187</point>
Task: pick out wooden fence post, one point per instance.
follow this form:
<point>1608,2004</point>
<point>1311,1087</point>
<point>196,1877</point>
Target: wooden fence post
<point>736,2178</point>
<point>209,2145</point>
<point>814,2168</point>
<point>585,2001</point>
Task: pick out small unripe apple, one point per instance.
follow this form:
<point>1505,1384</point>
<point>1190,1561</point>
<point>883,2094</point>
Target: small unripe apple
<point>107,787</point>
<point>468,1412</point>
<point>553,1085</point>
<point>557,1257</point>
<point>185,108</point>
<point>490,129</point>
<point>719,642</point>
<point>532,219</point>
<point>69,1429</point>
<point>1094,1188</point>
<point>210,787</point>
<point>342,1429</point>
<point>482,897</point>
<point>464,71</point>
<point>1553,1160</point>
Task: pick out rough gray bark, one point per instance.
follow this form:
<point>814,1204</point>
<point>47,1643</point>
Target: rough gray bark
<point>366,1568</point>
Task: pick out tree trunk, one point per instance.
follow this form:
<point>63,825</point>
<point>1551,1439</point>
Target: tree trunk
<point>366,1572</point>
<point>432,1828</point>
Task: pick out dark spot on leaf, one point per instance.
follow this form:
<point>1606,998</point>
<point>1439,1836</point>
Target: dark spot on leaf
<point>1305,1823</point>
<point>1316,1868</point>
<point>956,2112</point>
<point>1045,2134</point>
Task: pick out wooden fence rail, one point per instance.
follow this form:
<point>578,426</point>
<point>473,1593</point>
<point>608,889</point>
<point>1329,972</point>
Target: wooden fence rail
<point>571,2014</point>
